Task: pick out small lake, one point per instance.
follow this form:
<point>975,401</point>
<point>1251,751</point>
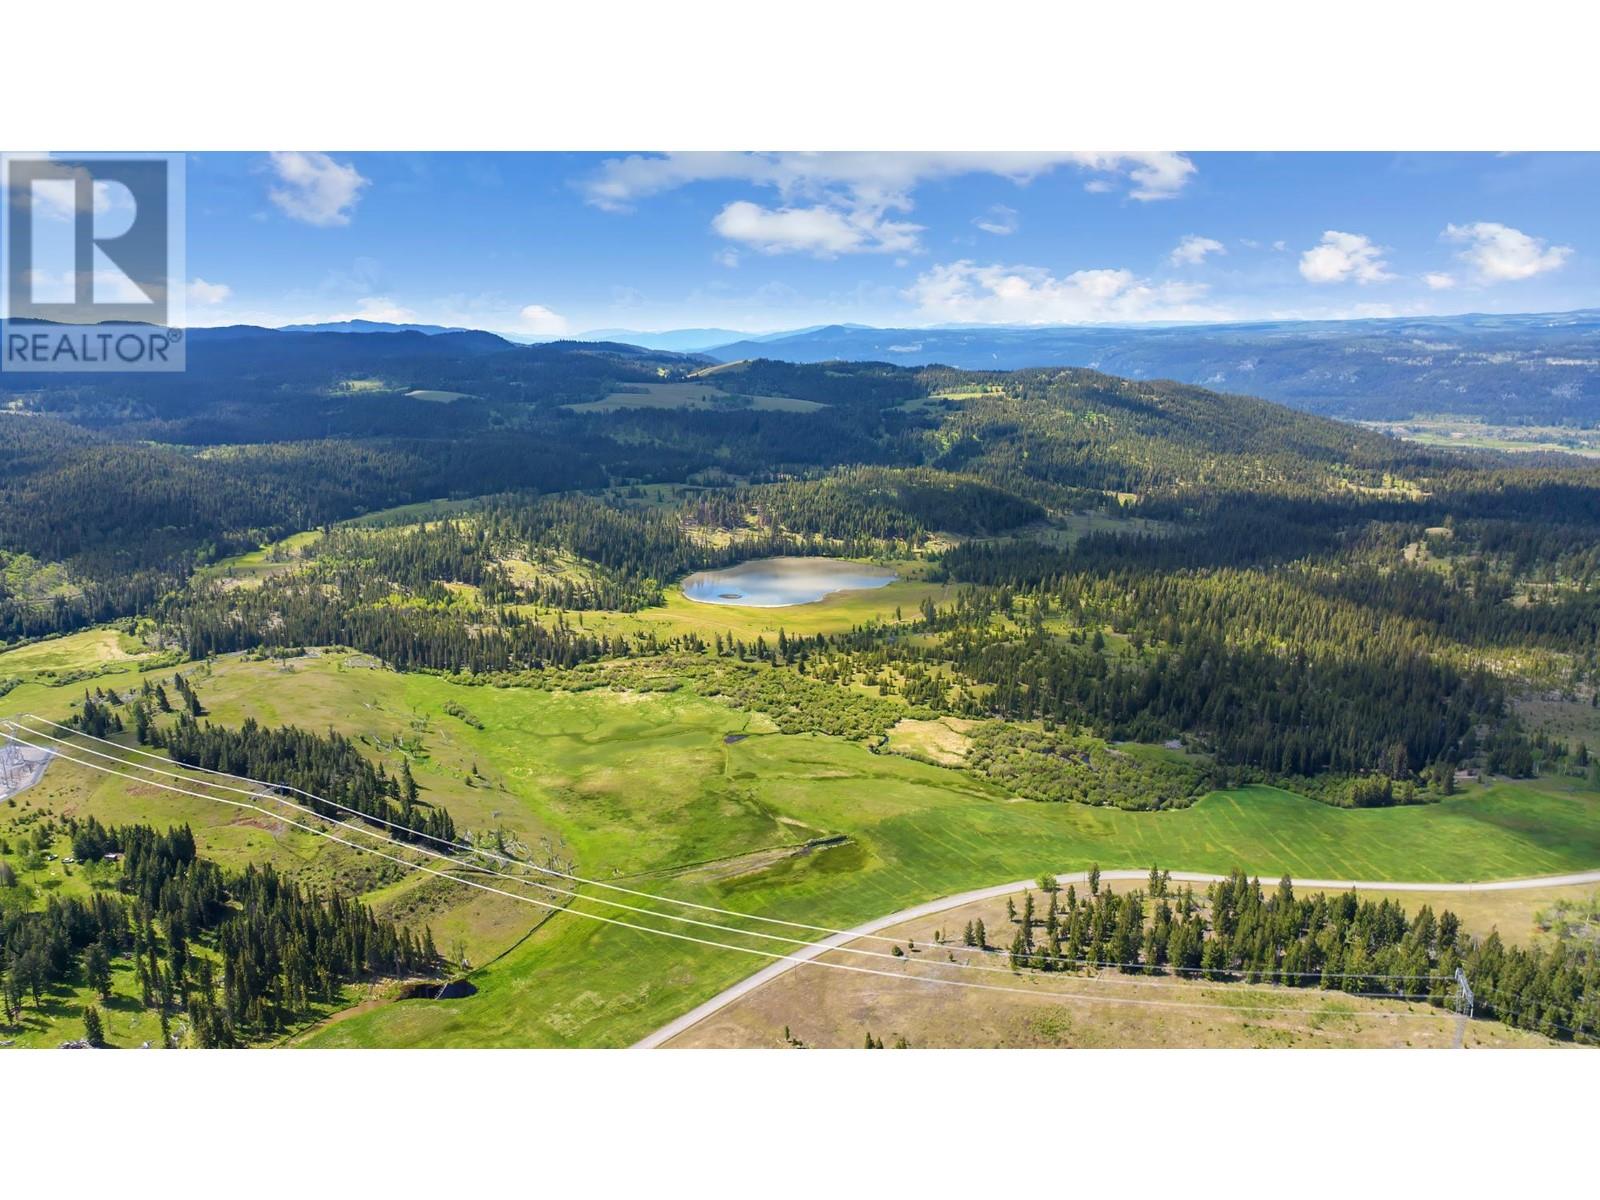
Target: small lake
<point>780,582</point>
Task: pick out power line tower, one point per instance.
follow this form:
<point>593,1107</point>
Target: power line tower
<point>12,768</point>
<point>1463,1005</point>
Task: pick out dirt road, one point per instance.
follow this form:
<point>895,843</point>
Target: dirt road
<point>745,986</point>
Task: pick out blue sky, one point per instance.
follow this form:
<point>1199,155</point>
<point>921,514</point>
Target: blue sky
<point>546,244</point>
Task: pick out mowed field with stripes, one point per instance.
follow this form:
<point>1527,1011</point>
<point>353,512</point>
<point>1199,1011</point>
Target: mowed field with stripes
<point>687,798</point>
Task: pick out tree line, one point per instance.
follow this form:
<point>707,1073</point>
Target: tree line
<point>1329,942</point>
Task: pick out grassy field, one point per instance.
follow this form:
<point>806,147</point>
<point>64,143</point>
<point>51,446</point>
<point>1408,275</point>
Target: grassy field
<point>1568,721</point>
<point>698,396</point>
<point>654,788</point>
<point>271,559</point>
<point>91,650</point>
<point>419,513</point>
<point>914,832</point>
<point>1468,433</point>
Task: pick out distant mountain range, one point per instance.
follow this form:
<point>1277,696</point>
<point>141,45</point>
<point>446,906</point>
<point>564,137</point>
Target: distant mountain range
<point>700,340</point>
<point>1536,368</point>
<point>1532,368</point>
<point>359,326</point>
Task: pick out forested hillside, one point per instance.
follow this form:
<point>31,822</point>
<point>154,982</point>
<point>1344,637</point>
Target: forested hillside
<point>1293,598</point>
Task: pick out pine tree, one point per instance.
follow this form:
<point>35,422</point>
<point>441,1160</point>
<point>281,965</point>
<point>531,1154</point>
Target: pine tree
<point>97,970</point>
<point>93,1030</point>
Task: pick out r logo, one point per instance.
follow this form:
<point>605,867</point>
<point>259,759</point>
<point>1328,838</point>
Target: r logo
<point>92,242</point>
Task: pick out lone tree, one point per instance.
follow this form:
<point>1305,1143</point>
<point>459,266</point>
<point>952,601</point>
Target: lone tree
<point>94,1032</point>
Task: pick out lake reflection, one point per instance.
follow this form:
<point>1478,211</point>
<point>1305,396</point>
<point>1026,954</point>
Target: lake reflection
<point>780,582</point>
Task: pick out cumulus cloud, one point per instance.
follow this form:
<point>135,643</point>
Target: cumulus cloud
<point>620,182</point>
<point>1439,280</point>
<point>313,188</point>
<point>1342,257</point>
<point>823,197</point>
<point>1499,253</point>
<point>1158,176</point>
<point>966,291</point>
<point>999,220</point>
<point>202,292</point>
<point>1192,251</point>
<point>536,318</point>
<point>819,230</point>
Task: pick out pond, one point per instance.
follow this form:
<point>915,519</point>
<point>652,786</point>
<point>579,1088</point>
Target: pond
<point>780,582</point>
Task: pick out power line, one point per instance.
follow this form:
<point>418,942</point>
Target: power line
<point>467,846</point>
<point>435,854</point>
<point>843,949</point>
<point>684,937</point>
<point>1097,963</point>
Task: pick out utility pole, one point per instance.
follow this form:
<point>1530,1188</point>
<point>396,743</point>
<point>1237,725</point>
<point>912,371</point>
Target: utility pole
<point>1463,1005</point>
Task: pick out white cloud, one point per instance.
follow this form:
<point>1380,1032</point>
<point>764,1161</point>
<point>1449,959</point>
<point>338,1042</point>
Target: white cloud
<point>1499,253</point>
<point>726,258</point>
<point>1439,280</point>
<point>314,188</point>
<point>1158,176</point>
<point>869,177</point>
<point>208,293</point>
<point>966,292</point>
<point>1341,257</point>
<point>824,196</point>
<point>999,220</point>
<point>820,230</point>
<point>1192,251</point>
<point>536,318</point>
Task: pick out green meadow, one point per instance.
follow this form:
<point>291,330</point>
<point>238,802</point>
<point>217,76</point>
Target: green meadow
<point>686,797</point>
<point>90,650</point>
